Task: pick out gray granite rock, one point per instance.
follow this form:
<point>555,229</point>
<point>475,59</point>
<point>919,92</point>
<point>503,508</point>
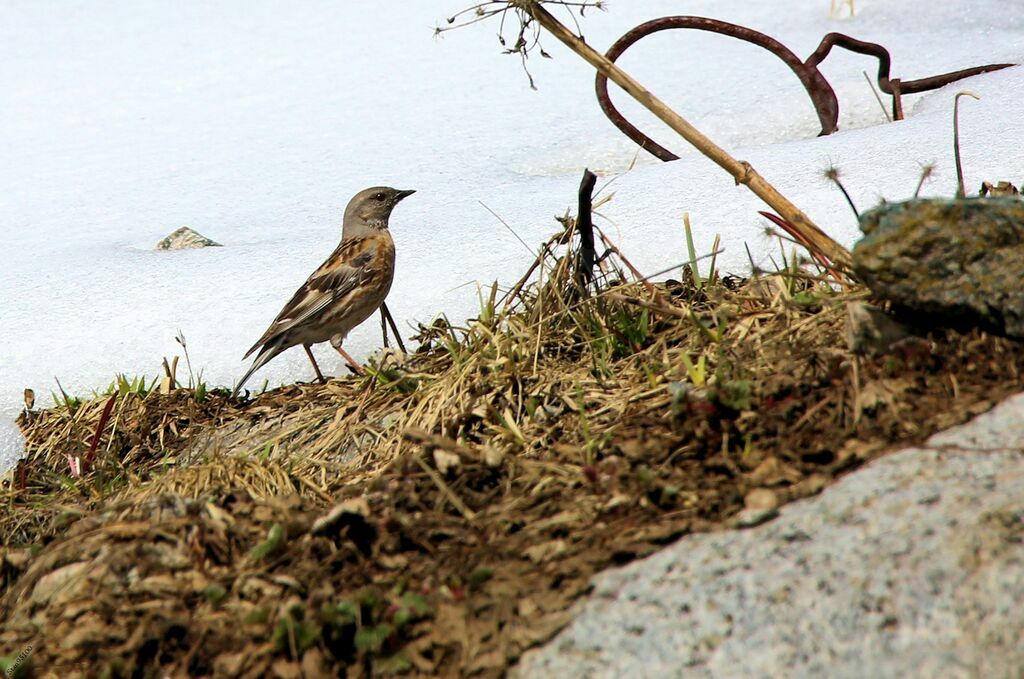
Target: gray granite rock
<point>958,261</point>
<point>185,239</point>
<point>910,567</point>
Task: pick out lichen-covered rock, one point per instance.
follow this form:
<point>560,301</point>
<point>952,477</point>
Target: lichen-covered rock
<point>959,261</point>
<point>185,239</point>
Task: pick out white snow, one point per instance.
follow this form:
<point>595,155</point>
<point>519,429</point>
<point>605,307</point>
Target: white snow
<point>254,123</point>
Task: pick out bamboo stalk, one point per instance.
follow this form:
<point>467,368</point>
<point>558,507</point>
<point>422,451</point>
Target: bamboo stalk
<point>741,170</point>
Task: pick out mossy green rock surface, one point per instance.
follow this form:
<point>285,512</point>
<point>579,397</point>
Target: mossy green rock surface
<point>959,260</point>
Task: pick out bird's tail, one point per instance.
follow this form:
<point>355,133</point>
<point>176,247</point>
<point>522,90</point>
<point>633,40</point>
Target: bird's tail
<point>268,352</point>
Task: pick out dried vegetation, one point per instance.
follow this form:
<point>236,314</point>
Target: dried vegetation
<point>440,515</point>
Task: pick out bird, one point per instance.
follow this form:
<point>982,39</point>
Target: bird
<point>343,291</point>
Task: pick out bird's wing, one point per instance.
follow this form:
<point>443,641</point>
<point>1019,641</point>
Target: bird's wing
<point>341,273</point>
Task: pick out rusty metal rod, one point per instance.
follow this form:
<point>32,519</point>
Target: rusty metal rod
<point>818,89</point>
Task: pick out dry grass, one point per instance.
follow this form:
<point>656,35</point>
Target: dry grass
<point>476,484</point>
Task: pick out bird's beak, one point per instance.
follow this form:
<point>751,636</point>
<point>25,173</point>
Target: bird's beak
<point>403,194</point>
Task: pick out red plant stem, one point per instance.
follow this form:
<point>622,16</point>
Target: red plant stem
<point>99,431</point>
<point>799,237</point>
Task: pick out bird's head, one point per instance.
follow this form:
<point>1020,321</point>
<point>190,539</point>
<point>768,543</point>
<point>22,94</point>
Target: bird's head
<point>370,209</point>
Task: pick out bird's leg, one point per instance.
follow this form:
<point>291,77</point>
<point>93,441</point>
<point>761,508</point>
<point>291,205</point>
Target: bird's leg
<point>316,368</point>
<point>351,361</point>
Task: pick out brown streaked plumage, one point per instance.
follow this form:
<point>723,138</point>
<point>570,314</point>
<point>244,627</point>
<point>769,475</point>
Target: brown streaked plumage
<point>345,290</point>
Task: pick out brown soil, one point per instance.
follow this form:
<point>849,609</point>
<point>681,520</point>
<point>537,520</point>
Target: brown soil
<point>440,517</point>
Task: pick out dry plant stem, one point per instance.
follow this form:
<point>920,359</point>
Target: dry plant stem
<point>510,298</point>
<point>833,176</point>
<point>170,372</point>
<point>457,502</point>
<point>799,239</point>
<point>741,171</point>
<point>960,193</point>
<point>99,431</point>
<point>636,273</point>
<point>878,97</point>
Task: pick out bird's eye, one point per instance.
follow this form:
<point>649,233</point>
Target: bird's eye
<point>379,196</point>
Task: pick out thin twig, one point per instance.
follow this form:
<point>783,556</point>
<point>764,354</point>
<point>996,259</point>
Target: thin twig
<point>510,229</point>
<point>832,174</point>
<point>878,97</point>
<point>960,193</point>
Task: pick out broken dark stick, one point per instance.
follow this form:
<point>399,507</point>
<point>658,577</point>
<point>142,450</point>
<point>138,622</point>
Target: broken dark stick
<point>585,226</point>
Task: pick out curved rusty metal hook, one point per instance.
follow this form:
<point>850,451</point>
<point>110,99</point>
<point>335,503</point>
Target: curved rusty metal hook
<point>818,89</point>
<point>884,60</point>
<point>825,102</point>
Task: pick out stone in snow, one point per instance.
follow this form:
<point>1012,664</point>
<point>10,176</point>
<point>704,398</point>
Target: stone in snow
<point>185,239</point>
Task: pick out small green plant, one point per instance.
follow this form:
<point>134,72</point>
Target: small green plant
<point>588,446</point>
<point>690,249</point>
<point>293,633</point>
<point>371,624</point>
<point>480,575</point>
<point>258,616</point>
<point>454,348</point>
<point>265,452</point>
<point>69,403</point>
<point>136,385</point>
<point>692,252</point>
<point>15,665</point>
<point>809,300</point>
<point>697,372</point>
<point>715,335</point>
<point>371,639</point>
<point>632,331</point>
<point>505,423</point>
<point>340,614</point>
<point>214,594</point>
<point>409,608</point>
<point>392,378</point>
<point>487,315</point>
<point>734,394</point>
<point>275,538</point>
